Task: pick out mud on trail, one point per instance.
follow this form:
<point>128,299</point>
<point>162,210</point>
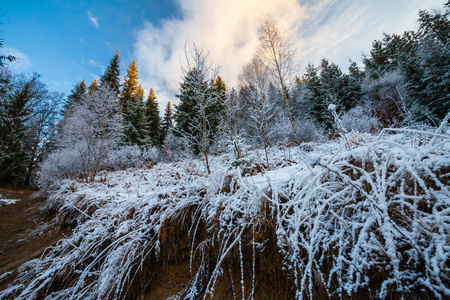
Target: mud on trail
<point>24,231</point>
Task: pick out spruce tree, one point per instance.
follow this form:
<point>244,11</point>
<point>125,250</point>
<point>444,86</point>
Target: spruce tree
<point>76,94</point>
<point>153,119</point>
<point>318,106</point>
<point>131,88</point>
<point>187,109</point>
<point>422,59</point>
<point>133,109</point>
<point>135,124</point>
<point>111,77</point>
<point>166,123</point>
<point>328,85</point>
<point>14,116</point>
<point>9,58</point>
<point>218,109</point>
<point>93,87</point>
<point>194,114</point>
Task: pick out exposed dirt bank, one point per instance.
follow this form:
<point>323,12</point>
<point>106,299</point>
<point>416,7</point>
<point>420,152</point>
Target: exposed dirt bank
<point>24,231</point>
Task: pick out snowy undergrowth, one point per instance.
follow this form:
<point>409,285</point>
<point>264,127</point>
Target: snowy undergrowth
<point>373,220</point>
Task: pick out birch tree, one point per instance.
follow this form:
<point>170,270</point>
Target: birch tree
<point>275,53</point>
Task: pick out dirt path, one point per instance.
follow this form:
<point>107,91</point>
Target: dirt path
<point>24,231</point>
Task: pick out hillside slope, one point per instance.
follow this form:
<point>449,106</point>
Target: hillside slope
<point>364,217</point>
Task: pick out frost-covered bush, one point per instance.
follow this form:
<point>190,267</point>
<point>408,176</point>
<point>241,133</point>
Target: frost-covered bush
<point>307,130</point>
<point>374,221</point>
<point>59,165</point>
<point>387,98</point>
<point>359,119</point>
<point>87,135</point>
<point>282,129</point>
<point>130,157</point>
<point>240,149</point>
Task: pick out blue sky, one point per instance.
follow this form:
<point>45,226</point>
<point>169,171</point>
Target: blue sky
<point>67,41</point>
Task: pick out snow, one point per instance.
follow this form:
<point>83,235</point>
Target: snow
<point>341,211</point>
<point>4,201</point>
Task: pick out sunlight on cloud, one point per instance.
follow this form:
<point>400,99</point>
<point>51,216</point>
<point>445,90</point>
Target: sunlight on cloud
<point>335,29</point>
<point>227,29</point>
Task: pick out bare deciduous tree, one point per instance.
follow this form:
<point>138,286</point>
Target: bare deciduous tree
<point>276,54</point>
<point>93,129</point>
<point>254,81</point>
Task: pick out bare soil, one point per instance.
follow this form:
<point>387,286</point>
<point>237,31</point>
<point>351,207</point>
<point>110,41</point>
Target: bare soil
<point>24,231</point>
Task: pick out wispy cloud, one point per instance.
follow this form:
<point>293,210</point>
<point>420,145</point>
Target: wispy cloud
<point>82,41</point>
<point>22,62</point>
<point>334,29</point>
<point>93,20</point>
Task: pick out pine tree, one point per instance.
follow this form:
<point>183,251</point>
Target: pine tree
<point>218,109</point>
<point>196,113</point>
<point>9,58</point>
<point>328,85</point>
<point>14,116</point>
<point>422,59</point>
<point>76,94</point>
<point>111,77</point>
<point>133,109</point>
<point>166,123</point>
<point>93,87</point>
<point>318,106</point>
<point>153,119</point>
<point>135,125</point>
<point>131,87</point>
<point>187,109</point>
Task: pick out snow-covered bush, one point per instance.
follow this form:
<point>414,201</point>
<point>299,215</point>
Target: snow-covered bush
<point>87,136</point>
<point>240,149</point>
<point>386,96</point>
<point>130,157</point>
<point>359,119</point>
<point>59,165</point>
<point>383,210</point>
<point>307,130</point>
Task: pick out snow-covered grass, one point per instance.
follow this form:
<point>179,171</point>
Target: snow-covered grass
<point>371,218</point>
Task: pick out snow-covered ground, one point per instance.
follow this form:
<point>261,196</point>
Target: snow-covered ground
<point>343,210</point>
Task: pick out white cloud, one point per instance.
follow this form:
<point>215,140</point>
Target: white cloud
<point>22,62</point>
<point>82,41</point>
<point>93,20</point>
<point>344,29</point>
<point>225,28</point>
<point>334,29</point>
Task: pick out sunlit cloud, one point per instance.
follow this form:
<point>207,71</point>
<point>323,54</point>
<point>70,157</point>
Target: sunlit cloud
<point>93,20</point>
<point>227,29</point>
<point>335,29</point>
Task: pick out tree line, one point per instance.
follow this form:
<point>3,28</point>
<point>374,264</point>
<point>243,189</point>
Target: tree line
<point>403,81</point>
